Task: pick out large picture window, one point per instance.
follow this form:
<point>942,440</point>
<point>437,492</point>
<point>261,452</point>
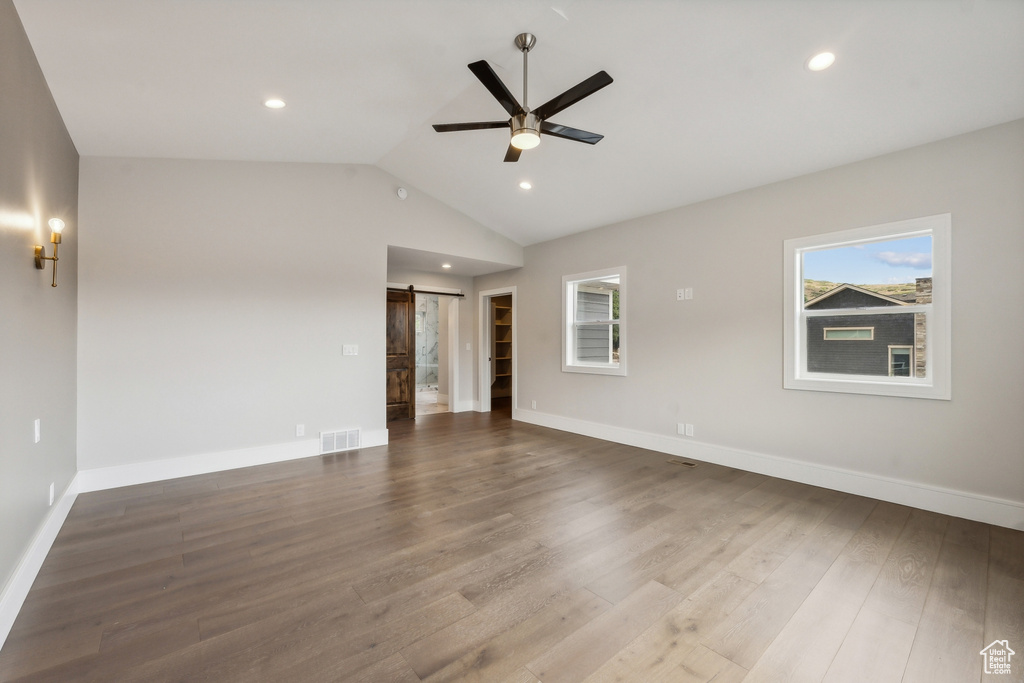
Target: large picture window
<point>867,310</point>
<point>594,315</point>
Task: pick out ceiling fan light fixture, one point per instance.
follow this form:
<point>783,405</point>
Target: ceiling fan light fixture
<point>525,139</point>
<point>525,131</point>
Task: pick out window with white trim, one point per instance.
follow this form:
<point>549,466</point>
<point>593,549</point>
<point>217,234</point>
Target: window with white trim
<point>868,310</point>
<point>594,322</point>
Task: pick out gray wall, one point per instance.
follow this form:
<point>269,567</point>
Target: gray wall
<point>38,180</point>
<point>716,361</point>
<point>215,298</point>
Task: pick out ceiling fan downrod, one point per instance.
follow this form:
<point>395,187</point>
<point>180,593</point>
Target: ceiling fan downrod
<point>525,43</point>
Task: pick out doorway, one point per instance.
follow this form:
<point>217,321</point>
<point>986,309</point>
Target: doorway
<point>498,346</point>
<point>432,382</point>
<point>422,352</point>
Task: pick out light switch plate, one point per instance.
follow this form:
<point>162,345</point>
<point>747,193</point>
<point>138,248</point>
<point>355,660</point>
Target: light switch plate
<point>350,350</point>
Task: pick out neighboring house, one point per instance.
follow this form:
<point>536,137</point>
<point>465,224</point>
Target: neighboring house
<point>597,301</point>
<point>882,344</point>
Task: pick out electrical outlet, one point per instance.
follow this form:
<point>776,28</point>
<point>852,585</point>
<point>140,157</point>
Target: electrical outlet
<point>300,430</point>
<point>689,430</point>
<point>688,294</point>
<point>51,493</point>
<point>680,294</point>
<point>350,350</point>
<point>533,405</point>
<point>681,429</point>
<point>468,347</point>
<point>37,430</point>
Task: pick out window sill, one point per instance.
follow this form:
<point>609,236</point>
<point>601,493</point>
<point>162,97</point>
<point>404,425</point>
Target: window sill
<point>619,369</point>
<point>870,386</point>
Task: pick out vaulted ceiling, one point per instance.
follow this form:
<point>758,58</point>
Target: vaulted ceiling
<point>709,96</point>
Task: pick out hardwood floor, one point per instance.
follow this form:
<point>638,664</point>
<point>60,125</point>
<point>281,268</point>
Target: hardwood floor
<point>477,548</point>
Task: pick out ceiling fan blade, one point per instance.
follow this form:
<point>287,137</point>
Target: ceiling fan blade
<point>485,73</point>
<point>476,125</point>
<point>570,133</point>
<point>513,153</point>
<point>573,95</point>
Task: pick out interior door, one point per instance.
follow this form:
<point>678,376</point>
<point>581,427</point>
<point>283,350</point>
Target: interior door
<point>401,355</point>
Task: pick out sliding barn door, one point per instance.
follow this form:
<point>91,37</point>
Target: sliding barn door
<point>401,349</point>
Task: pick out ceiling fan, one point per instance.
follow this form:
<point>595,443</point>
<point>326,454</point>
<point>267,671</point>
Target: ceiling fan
<point>527,125</point>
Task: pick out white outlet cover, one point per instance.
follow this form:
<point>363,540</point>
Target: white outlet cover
<point>350,350</point>
<point>300,430</point>
<point>37,430</point>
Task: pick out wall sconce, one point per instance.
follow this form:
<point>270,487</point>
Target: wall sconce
<point>56,227</point>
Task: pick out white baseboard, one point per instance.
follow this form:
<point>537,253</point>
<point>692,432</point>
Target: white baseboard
<point>17,588</point>
<point>465,407</point>
<point>101,478</point>
<point>1006,513</point>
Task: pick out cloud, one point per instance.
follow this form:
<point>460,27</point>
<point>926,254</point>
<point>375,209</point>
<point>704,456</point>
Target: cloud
<point>916,260</point>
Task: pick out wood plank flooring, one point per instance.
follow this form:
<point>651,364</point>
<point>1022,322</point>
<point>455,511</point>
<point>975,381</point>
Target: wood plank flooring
<point>474,548</point>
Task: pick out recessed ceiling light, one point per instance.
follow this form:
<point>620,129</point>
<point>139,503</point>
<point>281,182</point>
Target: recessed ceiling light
<point>446,266</point>
<point>274,104</point>
<point>821,61</point>
<point>526,185</point>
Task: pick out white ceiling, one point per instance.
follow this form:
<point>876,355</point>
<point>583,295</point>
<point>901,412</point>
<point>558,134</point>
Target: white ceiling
<point>710,96</point>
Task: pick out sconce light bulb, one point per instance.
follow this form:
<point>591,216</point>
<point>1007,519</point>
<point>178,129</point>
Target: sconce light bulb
<point>56,225</point>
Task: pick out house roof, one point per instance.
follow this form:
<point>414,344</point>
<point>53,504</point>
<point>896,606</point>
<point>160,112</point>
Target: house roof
<point>886,300</point>
<point>710,97</point>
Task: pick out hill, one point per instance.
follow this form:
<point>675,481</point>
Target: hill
<point>904,291</point>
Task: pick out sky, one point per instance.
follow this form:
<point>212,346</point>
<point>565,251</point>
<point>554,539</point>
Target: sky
<point>874,263</point>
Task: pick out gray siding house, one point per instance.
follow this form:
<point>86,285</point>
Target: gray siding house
<point>882,344</point>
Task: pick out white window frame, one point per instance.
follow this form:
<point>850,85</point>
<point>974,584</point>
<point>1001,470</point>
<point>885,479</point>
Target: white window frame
<point>937,385</point>
<point>569,361</point>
